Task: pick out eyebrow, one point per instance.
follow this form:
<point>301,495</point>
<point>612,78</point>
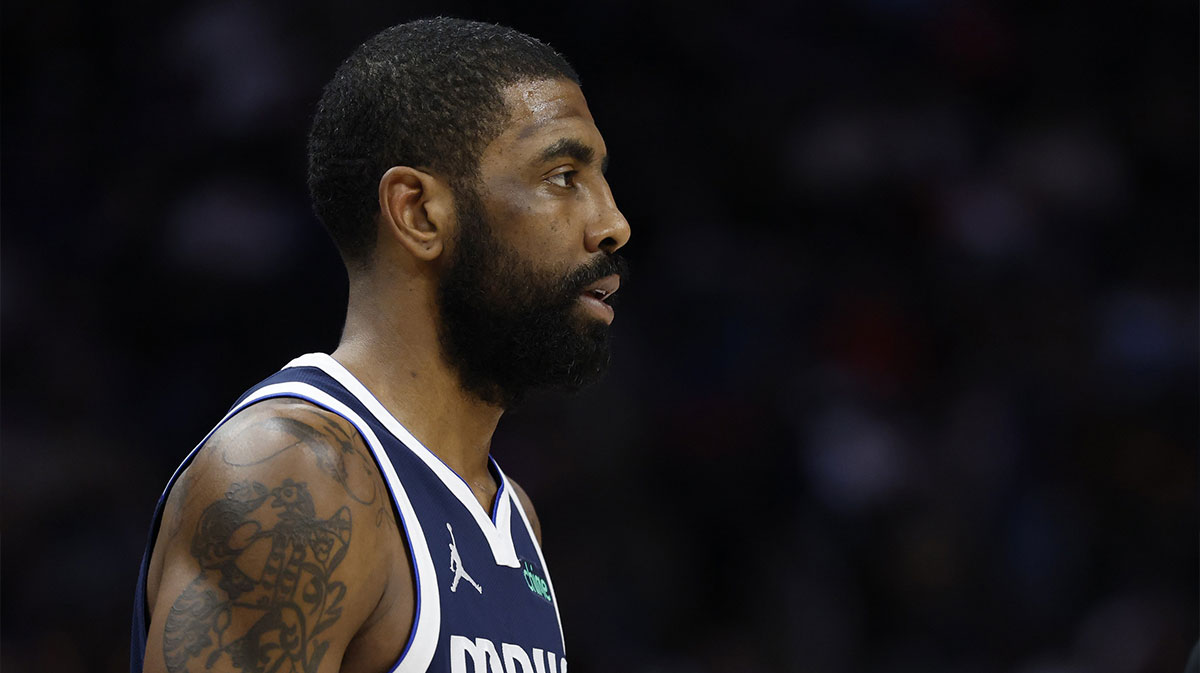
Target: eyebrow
<point>573,148</point>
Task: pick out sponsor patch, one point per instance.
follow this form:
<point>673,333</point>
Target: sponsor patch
<point>536,581</point>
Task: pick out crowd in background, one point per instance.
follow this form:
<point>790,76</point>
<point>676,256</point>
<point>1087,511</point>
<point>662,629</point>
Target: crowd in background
<point>905,377</point>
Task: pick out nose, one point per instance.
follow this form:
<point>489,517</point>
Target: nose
<point>609,230</point>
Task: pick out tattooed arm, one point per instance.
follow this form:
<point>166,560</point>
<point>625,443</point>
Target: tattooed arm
<point>276,551</point>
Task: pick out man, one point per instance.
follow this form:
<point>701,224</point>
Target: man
<point>346,514</point>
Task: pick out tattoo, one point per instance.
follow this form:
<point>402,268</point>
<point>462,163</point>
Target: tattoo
<point>271,559</point>
<point>330,445</point>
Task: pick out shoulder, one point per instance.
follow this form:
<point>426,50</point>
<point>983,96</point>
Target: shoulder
<point>278,435</point>
<point>314,455</point>
<point>282,440</point>
<point>527,504</point>
<point>282,509</point>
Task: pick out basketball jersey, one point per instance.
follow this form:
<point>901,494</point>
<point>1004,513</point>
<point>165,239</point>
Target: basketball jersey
<point>484,600</point>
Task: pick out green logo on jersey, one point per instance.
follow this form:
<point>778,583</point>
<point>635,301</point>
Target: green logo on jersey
<point>536,583</point>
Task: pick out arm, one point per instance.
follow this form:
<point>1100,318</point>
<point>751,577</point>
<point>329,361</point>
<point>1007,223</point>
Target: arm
<point>278,547</point>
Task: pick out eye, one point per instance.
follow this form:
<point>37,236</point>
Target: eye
<point>566,179</point>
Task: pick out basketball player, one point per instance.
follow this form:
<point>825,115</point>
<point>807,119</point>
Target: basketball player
<point>346,514</point>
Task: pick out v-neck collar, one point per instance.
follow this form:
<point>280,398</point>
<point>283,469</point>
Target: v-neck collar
<point>495,527</point>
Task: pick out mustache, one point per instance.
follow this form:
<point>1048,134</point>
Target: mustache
<point>601,267</point>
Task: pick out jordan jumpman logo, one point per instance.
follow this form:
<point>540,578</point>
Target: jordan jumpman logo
<point>457,566</point>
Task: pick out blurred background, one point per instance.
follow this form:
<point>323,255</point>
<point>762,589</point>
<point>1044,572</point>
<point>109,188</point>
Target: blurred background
<point>905,379</point>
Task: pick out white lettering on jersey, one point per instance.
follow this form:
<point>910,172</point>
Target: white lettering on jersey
<point>486,659</point>
<point>514,655</point>
<point>482,652</point>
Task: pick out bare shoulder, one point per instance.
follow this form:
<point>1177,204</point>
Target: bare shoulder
<point>280,437</point>
<point>529,511</point>
<point>284,432</point>
<point>275,545</point>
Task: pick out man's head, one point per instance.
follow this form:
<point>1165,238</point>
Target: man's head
<point>426,94</point>
<point>503,208</point>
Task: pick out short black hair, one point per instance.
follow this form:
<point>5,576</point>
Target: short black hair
<point>425,94</point>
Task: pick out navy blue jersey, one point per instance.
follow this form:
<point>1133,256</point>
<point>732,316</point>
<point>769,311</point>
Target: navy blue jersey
<point>484,600</point>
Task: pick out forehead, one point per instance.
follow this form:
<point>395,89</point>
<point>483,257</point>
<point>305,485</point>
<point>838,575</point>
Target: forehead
<point>542,112</point>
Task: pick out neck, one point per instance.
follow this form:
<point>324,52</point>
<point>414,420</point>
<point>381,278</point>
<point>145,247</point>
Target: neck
<point>390,344</point>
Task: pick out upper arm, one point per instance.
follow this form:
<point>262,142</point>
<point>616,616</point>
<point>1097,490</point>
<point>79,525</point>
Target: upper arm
<point>276,552</point>
<point>529,511</point>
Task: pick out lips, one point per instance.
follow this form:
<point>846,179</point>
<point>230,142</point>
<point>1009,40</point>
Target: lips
<point>603,288</point>
<point>594,297</point>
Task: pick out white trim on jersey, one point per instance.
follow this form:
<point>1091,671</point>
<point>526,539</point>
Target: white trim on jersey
<point>537,546</point>
<point>497,533</point>
<point>423,642</point>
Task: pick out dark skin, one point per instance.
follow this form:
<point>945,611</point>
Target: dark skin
<point>278,545</point>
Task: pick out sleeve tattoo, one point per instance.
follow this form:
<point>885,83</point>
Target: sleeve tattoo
<point>265,593</point>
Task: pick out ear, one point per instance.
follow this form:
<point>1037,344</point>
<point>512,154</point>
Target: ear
<point>416,210</point>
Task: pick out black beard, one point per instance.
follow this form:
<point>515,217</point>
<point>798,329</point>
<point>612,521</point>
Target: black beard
<point>507,328</point>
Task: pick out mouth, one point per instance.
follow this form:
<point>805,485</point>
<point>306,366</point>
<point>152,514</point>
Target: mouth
<point>604,288</point>
<point>598,295</point>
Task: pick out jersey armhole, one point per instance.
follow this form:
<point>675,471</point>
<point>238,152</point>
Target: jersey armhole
<point>421,645</point>
<point>422,640</point>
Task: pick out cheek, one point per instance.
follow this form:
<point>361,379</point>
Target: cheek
<point>540,234</point>
<point>540,228</point>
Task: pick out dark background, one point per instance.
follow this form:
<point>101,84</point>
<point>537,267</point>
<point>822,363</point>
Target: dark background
<point>905,380</point>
